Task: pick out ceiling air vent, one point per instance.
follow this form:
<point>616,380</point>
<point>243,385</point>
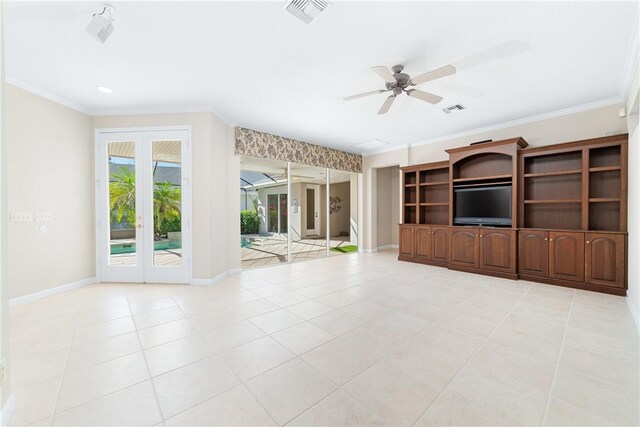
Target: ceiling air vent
<point>453,108</point>
<point>306,10</point>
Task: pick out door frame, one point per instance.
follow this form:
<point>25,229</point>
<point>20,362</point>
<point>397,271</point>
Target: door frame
<point>187,239</point>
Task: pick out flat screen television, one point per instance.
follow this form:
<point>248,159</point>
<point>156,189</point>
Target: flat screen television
<point>490,205</point>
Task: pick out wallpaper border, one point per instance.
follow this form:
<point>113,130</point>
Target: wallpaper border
<point>254,143</point>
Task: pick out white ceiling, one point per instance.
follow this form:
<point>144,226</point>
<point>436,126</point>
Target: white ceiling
<point>256,66</point>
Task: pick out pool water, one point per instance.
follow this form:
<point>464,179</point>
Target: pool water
<point>129,248</point>
<point>245,242</point>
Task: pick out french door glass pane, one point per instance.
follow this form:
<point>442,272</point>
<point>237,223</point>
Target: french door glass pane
<point>122,203</point>
<point>166,167</point>
<point>283,213</point>
<point>272,202</point>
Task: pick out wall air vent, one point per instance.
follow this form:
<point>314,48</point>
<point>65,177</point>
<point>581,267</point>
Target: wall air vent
<point>306,10</point>
<point>453,108</point>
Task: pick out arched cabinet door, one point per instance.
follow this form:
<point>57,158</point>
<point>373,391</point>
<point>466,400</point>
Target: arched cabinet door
<point>407,241</point>
<point>566,256</point>
<point>533,255</point>
<point>423,242</point>
<point>498,250</point>
<point>605,259</point>
<point>440,239</point>
<point>465,250</point>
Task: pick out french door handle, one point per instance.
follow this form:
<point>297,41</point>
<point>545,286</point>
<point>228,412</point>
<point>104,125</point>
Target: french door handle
<point>139,225</point>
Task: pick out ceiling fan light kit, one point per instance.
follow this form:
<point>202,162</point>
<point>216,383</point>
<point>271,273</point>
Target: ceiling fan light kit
<point>399,82</point>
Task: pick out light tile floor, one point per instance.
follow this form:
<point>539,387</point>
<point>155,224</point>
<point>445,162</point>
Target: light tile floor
<point>360,339</point>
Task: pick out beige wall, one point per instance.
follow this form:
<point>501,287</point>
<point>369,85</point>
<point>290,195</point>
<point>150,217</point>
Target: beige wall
<point>570,127</point>
<point>387,208</point>
<point>51,169</point>
<point>4,289</point>
<point>634,195</point>
<point>211,148</point>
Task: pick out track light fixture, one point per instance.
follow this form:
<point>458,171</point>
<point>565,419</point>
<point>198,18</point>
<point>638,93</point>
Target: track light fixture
<point>101,25</point>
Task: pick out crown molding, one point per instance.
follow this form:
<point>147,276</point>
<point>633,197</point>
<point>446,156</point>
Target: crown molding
<point>47,95</point>
<point>530,119</point>
<point>170,109</point>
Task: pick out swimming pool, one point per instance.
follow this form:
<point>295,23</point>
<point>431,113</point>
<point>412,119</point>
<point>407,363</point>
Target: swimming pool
<point>130,247</point>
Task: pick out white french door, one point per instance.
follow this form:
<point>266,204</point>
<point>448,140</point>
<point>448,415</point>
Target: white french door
<point>144,206</point>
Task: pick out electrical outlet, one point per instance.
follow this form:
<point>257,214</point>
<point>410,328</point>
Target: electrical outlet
<point>21,216</point>
<point>44,216</point>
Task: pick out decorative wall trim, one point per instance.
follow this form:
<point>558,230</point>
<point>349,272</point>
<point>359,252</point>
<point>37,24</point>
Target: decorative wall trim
<point>52,291</point>
<point>7,410</point>
<point>530,119</point>
<point>267,146</point>
<point>214,280</point>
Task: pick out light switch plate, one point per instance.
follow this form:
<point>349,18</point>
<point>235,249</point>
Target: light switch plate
<point>21,216</point>
<point>44,216</point>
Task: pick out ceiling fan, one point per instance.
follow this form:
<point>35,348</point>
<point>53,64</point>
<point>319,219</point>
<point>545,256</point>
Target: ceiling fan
<point>398,82</point>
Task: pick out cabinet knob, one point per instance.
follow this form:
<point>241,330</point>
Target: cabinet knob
<point>545,239</point>
<point>551,240</point>
<point>588,242</point>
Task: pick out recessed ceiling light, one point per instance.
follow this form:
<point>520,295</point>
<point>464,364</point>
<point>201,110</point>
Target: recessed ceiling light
<point>104,89</point>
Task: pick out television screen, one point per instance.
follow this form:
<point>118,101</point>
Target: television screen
<point>482,205</point>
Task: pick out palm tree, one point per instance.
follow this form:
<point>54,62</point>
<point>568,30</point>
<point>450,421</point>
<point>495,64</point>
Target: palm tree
<point>167,204</point>
<point>167,200</point>
<point>122,195</point>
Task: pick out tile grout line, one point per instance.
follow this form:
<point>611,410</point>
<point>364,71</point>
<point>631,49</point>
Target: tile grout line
<point>64,372</point>
<point>146,364</point>
<point>555,372</point>
<point>471,356</point>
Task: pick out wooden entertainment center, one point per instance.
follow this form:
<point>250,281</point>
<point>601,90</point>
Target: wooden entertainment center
<point>568,213</point>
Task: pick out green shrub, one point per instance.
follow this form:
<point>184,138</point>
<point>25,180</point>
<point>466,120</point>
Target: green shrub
<point>249,222</point>
<point>169,226</point>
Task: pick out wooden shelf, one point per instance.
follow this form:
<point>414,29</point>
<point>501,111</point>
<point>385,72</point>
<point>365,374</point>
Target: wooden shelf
<point>483,184</point>
<point>557,201</point>
<point>483,178</point>
<point>434,204</point>
<point>411,204</point>
<point>604,199</point>
<point>411,185</point>
<point>604,169</point>
<point>557,173</point>
<point>428,184</point>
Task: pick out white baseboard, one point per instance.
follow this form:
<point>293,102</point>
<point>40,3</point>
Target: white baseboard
<point>52,291</point>
<point>634,313</point>
<point>7,410</point>
<point>367,251</point>
<point>383,247</point>
<point>218,278</point>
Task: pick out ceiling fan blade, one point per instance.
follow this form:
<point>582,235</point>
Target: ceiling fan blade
<point>385,73</point>
<point>360,95</point>
<point>387,104</point>
<point>447,70</point>
<point>424,96</point>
